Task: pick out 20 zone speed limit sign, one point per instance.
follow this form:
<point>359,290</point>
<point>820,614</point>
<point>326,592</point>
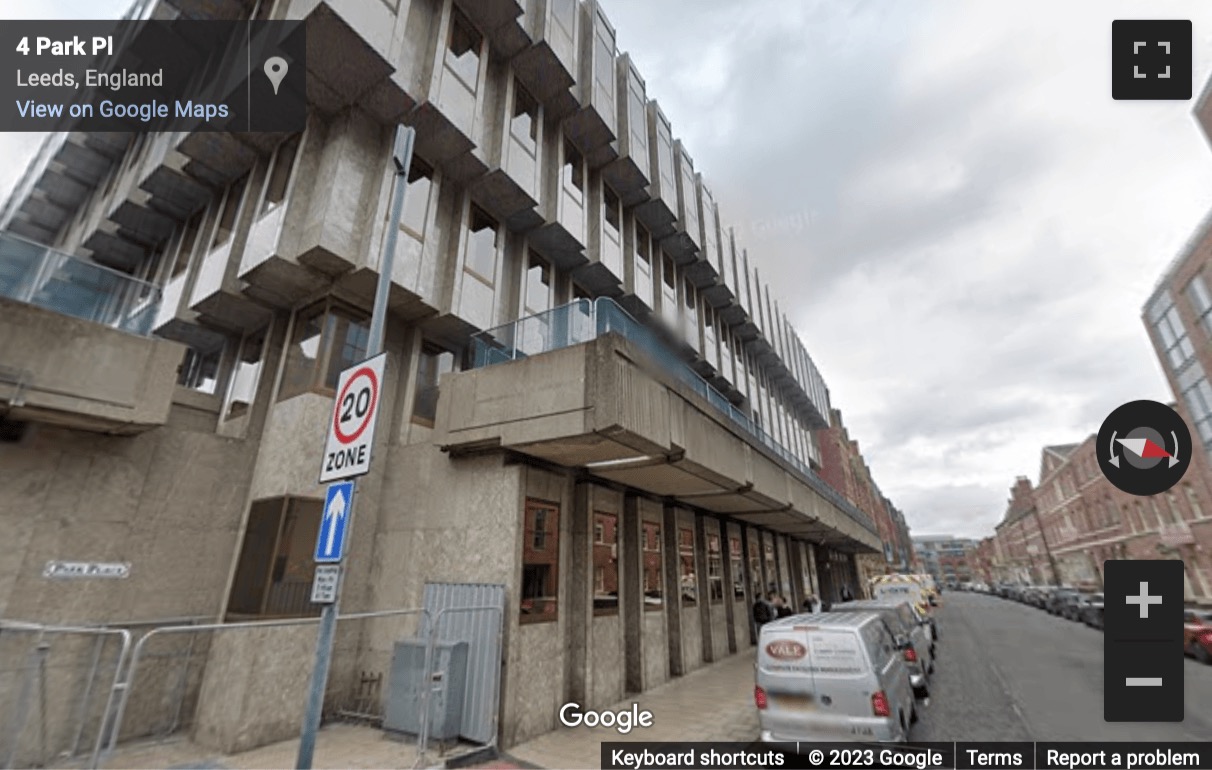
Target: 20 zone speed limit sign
<point>351,431</point>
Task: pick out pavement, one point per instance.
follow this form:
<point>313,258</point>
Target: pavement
<point>714,703</point>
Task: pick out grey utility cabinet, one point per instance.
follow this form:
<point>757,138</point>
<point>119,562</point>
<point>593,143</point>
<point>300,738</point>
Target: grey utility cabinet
<point>449,683</point>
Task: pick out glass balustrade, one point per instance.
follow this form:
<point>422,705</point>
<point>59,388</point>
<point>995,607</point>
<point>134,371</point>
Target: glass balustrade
<point>50,279</point>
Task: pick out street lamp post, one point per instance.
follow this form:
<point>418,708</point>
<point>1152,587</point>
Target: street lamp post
<point>401,160</point>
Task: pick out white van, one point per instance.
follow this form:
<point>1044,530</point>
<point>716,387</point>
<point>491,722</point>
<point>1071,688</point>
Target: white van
<point>832,677</point>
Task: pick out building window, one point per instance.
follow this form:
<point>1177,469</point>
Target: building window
<point>1197,512</point>
<point>755,569</point>
<point>1197,395</point>
<point>481,255</point>
<point>643,265</point>
<point>199,369</point>
<point>537,289</point>
<point>1169,327</point>
<point>433,363</point>
<point>606,564</point>
<point>189,239</point>
<point>416,201</point>
<point>231,210</point>
<point>686,566</point>
<point>1201,301</point>
<point>327,339</point>
<point>611,210</point>
<point>275,568</point>
<point>715,569</point>
<point>573,174</point>
<point>654,594</point>
<point>247,374</point>
<point>280,173</point>
<point>524,125</point>
<point>463,50</point>
<point>737,556</point>
<point>771,573</point>
<point>540,562</point>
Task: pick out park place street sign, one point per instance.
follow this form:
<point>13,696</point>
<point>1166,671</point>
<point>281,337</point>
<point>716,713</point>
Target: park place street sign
<point>351,430</point>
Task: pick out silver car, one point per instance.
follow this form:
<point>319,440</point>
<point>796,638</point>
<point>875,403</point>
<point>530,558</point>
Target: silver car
<point>913,636</point>
<point>832,677</point>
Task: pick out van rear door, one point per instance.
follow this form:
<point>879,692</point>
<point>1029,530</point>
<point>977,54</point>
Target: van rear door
<point>814,678</point>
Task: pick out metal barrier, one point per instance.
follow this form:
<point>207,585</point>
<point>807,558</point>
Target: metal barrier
<point>36,669</point>
<point>123,687</point>
<point>431,688</point>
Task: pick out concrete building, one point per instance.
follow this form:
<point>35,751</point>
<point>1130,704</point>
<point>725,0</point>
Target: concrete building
<point>591,395</point>
<point>946,557</point>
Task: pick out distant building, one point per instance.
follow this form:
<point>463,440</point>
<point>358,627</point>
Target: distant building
<point>946,557</point>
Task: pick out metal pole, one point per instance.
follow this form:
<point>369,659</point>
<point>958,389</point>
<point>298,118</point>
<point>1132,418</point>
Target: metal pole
<point>401,160</point>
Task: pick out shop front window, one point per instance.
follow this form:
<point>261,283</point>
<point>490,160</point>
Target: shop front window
<point>606,564</point>
<point>540,562</point>
<point>686,567</point>
<point>654,594</point>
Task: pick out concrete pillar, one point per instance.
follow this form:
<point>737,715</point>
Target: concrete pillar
<point>729,581</point>
<point>631,561</point>
<point>795,567</point>
<point>673,590</point>
<point>750,595</point>
<point>578,577</point>
<point>703,585</point>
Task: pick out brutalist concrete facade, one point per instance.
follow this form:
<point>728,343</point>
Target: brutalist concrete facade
<point>543,175</point>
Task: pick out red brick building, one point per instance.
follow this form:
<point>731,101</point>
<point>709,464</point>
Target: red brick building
<point>844,468</point>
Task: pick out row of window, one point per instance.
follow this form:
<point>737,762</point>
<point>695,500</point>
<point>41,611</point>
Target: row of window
<point>1142,516</point>
<point>541,556</point>
<point>1179,352</point>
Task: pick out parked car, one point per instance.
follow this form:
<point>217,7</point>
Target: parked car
<point>1037,596</point>
<point>1059,598</point>
<point>835,676</point>
<point>1090,610</point>
<point>914,637</point>
<point>1197,634</point>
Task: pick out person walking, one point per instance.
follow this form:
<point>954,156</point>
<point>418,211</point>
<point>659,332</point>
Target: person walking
<point>847,594</point>
<point>763,612</point>
<point>781,608</point>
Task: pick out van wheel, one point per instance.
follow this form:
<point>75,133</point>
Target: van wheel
<point>904,729</point>
<point>913,716</point>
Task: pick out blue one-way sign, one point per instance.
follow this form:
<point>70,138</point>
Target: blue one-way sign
<point>338,504</point>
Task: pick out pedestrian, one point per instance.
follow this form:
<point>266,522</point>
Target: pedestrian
<point>782,608</point>
<point>763,612</point>
<point>847,595</point>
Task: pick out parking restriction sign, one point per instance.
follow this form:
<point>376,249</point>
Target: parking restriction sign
<point>351,430</point>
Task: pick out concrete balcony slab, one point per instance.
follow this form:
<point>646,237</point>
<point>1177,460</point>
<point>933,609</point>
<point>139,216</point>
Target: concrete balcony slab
<point>602,407</point>
<point>83,375</point>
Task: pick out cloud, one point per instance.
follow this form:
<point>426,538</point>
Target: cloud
<point>960,222</point>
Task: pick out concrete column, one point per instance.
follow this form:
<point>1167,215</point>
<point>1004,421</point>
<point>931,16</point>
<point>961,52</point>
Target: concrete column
<point>750,596</point>
<point>703,587</point>
<point>579,595</point>
<point>729,581</point>
<point>673,590</point>
<point>794,567</point>
<point>631,561</point>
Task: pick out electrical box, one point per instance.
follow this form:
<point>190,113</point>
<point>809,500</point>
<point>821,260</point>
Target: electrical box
<point>447,682</point>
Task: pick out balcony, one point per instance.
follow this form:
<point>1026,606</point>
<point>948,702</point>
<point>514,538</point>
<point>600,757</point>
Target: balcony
<point>74,340</point>
<point>587,386</point>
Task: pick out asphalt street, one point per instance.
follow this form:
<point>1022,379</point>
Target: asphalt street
<point>1007,671</point>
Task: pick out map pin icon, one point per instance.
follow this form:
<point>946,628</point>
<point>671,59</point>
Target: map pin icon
<point>275,70</point>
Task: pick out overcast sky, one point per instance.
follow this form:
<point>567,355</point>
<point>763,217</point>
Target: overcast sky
<point>959,220</point>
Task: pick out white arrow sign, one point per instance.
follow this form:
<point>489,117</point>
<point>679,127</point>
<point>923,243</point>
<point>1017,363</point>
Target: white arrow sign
<point>330,540</point>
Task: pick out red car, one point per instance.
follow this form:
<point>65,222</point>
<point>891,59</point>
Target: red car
<point>1197,634</point>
